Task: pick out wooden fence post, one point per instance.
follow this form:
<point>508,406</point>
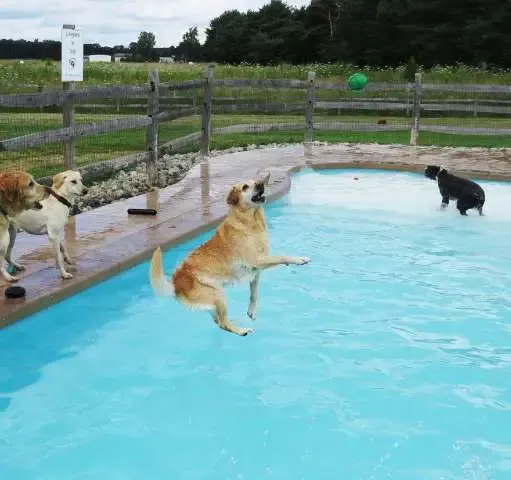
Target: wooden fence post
<point>309,111</point>
<point>206,111</point>
<point>204,188</point>
<point>68,114</point>
<point>416,110</point>
<point>40,89</point>
<point>407,111</point>
<point>152,129</point>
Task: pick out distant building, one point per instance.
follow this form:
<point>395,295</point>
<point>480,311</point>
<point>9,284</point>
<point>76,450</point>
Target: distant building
<point>99,58</point>
<point>119,57</point>
<point>167,59</point>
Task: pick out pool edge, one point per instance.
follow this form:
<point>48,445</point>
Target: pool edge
<point>98,265</point>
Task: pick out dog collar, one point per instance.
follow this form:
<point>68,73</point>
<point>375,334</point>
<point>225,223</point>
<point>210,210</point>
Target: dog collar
<point>61,199</point>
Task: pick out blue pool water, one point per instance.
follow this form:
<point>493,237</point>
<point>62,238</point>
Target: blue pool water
<point>388,357</point>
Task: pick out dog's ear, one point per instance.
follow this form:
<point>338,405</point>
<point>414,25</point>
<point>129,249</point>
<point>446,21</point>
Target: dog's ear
<point>234,197</point>
<point>58,180</point>
<point>12,188</point>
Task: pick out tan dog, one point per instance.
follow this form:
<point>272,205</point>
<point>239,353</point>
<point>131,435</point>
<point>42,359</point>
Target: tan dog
<point>18,192</point>
<point>237,252</point>
<point>51,219</point>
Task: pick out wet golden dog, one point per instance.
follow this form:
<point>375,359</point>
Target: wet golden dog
<point>18,192</point>
<point>237,252</point>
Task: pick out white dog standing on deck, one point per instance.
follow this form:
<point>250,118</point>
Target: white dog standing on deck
<point>51,219</point>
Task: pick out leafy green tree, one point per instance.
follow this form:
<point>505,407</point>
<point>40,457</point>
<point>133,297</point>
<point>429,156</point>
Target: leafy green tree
<point>190,48</point>
<point>227,38</point>
<point>143,48</point>
<point>272,34</point>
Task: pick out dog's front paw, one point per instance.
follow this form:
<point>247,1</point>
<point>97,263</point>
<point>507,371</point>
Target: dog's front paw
<point>66,275</point>
<point>9,278</point>
<point>251,312</point>
<point>302,260</point>
<point>243,332</point>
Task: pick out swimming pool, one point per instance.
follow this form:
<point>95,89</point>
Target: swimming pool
<point>387,357</point>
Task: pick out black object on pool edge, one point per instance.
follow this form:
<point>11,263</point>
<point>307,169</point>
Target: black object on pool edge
<point>14,291</point>
<point>142,211</point>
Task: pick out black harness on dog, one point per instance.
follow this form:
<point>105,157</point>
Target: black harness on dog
<point>61,199</point>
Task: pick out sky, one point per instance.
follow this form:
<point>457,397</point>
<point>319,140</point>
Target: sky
<point>116,22</point>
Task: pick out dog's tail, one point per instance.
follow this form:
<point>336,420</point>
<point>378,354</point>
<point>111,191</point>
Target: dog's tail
<point>161,285</point>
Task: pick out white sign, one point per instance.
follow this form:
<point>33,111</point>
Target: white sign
<point>71,65</point>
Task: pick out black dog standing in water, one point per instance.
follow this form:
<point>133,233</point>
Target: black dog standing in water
<point>468,193</point>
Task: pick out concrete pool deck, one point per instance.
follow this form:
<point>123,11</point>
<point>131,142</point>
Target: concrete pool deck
<point>106,241</point>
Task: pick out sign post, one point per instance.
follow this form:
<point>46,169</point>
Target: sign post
<point>71,70</point>
<point>72,54</point>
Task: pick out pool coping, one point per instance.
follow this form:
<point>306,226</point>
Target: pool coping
<point>200,208</point>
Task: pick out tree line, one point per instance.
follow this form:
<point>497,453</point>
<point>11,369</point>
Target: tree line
<point>366,32</point>
<point>50,49</point>
<point>362,32</point>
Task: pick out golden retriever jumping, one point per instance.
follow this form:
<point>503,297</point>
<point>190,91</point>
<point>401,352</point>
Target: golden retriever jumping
<point>237,252</point>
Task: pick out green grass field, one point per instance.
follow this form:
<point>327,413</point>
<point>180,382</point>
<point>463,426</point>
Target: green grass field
<point>35,72</point>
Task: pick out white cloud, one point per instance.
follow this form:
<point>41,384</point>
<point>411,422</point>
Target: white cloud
<point>117,22</point>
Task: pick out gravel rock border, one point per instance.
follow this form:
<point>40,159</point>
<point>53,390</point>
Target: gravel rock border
<point>171,169</point>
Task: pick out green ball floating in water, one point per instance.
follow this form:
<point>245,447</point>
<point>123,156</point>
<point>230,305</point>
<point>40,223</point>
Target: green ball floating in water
<point>357,81</point>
